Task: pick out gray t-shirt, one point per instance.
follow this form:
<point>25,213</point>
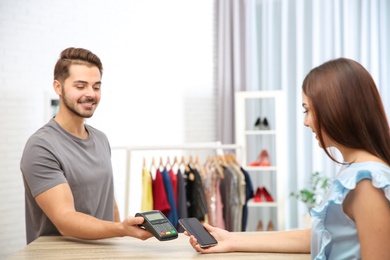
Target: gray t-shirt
<point>53,156</point>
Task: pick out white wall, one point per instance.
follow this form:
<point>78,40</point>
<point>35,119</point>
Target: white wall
<point>157,80</point>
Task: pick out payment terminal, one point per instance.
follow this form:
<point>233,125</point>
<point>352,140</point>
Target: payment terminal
<point>157,224</point>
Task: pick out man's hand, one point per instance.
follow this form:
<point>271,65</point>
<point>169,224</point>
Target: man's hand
<point>132,229</point>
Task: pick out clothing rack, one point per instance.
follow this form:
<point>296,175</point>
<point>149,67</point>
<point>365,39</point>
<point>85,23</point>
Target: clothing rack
<point>217,146</point>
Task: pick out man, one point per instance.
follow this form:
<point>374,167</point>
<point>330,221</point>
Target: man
<point>66,164</point>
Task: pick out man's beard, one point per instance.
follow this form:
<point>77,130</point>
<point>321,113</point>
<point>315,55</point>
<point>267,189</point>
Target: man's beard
<point>67,103</point>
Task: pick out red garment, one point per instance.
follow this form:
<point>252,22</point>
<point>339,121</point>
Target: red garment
<point>173,178</point>
<point>160,200</point>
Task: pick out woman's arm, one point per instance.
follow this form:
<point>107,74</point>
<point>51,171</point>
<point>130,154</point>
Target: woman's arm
<point>370,210</point>
<point>297,241</point>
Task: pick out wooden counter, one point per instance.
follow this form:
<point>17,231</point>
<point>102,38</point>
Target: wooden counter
<point>59,248</point>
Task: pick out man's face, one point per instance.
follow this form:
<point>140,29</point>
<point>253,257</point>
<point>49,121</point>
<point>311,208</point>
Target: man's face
<point>81,90</point>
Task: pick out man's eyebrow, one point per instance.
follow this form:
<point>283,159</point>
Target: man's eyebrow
<point>80,81</point>
<point>86,82</point>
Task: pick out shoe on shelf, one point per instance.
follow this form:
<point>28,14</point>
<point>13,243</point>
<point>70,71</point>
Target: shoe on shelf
<point>258,123</point>
<point>262,195</point>
<point>255,163</point>
<point>262,159</point>
<point>260,226</point>
<point>266,195</point>
<point>258,195</point>
<point>270,226</point>
<point>264,124</point>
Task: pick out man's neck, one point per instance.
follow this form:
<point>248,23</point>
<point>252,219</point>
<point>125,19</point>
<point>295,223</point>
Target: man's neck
<point>74,126</point>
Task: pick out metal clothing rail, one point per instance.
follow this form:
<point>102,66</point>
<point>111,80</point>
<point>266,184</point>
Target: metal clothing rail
<point>217,146</point>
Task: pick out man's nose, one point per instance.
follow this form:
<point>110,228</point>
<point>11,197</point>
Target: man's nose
<point>90,92</point>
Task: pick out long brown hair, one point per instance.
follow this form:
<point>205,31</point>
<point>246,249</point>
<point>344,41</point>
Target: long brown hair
<point>347,107</point>
<point>71,56</point>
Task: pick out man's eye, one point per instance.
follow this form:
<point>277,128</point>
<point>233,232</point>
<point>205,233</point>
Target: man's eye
<point>80,86</point>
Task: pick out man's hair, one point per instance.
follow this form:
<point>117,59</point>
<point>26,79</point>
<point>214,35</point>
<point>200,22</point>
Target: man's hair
<point>347,107</point>
<point>71,56</point>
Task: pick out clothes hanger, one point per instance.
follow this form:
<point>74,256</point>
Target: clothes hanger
<point>153,164</point>
<point>175,165</point>
<point>168,165</point>
<point>217,166</point>
<point>183,162</point>
<point>234,158</point>
<point>192,161</point>
<point>153,168</point>
<point>228,158</point>
<point>222,160</point>
<point>175,161</point>
<point>207,159</point>
<point>200,167</point>
<point>161,165</point>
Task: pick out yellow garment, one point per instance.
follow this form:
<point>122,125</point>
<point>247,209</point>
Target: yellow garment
<point>147,193</point>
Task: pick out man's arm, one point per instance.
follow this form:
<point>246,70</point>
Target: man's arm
<point>117,217</point>
<point>58,205</point>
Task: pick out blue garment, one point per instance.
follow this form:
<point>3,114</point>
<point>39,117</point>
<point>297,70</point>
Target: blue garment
<point>173,215</point>
<point>334,234</point>
<point>248,195</point>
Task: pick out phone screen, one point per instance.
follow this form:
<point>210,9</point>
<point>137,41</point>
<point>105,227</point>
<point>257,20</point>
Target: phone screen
<point>195,228</point>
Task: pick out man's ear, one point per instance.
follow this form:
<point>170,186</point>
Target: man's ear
<point>57,87</point>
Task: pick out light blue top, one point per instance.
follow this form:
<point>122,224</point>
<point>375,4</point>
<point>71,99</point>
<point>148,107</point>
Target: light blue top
<point>334,234</point>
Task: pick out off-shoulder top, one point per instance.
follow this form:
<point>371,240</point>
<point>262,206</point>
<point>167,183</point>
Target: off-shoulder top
<point>334,234</point>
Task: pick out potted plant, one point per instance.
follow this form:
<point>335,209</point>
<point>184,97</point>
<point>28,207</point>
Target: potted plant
<point>312,196</point>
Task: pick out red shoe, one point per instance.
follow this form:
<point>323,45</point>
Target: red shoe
<point>257,197</point>
<point>266,194</point>
<point>264,158</point>
<point>256,163</point>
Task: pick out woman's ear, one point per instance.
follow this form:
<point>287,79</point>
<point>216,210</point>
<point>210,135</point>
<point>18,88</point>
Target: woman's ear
<point>57,87</point>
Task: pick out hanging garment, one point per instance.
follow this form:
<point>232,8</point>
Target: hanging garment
<point>208,187</point>
<point>248,195</point>
<point>220,222</point>
<point>147,191</point>
<point>230,200</point>
<point>181,199</point>
<point>172,216</point>
<point>173,178</point>
<point>160,200</point>
<point>196,201</point>
<point>241,196</point>
<point>213,196</point>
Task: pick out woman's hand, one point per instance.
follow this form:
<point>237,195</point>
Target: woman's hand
<point>225,241</point>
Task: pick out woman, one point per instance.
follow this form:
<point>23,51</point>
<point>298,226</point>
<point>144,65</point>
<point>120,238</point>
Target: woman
<point>344,110</point>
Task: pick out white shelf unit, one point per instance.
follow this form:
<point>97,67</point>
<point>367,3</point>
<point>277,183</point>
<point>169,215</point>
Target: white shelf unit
<point>249,105</point>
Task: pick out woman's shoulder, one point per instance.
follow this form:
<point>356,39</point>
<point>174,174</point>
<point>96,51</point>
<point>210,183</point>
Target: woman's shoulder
<point>351,175</point>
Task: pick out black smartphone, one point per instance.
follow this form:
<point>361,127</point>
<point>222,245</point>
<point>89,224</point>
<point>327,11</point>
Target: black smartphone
<point>195,228</point>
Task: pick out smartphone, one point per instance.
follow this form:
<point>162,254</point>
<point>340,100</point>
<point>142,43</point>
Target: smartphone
<point>157,224</point>
<point>195,228</point>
